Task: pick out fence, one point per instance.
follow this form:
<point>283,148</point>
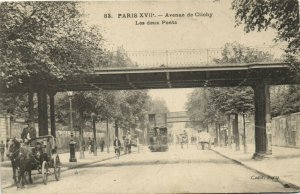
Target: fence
<point>286,130</point>
<point>10,129</point>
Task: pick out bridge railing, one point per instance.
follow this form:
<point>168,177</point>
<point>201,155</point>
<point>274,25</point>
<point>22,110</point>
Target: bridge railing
<point>187,57</point>
<point>174,57</point>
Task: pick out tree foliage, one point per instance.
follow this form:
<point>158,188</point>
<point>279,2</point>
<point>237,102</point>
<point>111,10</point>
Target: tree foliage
<point>45,41</point>
<point>14,104</point>
<point>119,58</point>
<point>283,16</point>
<point>212,104</point>
<point>238,53</point>
<point>285,100</point>
<point>158,105</point>
<point>199,109</point>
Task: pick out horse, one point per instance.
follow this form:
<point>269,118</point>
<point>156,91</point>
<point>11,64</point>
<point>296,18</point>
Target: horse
<point>20,158</point>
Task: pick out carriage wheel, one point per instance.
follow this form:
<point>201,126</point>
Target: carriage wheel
<point>45,172</point>
<point>56,165</point>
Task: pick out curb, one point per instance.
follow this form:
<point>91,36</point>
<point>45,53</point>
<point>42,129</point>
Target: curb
<point>283,182</point>
<point>70,168</point>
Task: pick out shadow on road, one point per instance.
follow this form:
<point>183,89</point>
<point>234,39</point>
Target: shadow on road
<point>158,162</point>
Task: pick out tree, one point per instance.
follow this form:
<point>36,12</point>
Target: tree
<point>158,105</point>
<point>196,107</point>
<point>283,16</point>
<point>212,104</point>
<point>14,104</point>
<point>237,99</point>
<point>285,100</point>
<point>44,41</point>
<point>238,53</point>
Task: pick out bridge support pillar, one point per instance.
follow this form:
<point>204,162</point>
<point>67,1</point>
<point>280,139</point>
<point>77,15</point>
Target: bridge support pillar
<point>52,114</point>
<point>42,113</point>
<point>262,114</point>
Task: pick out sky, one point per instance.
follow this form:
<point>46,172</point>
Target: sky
<point>193,32</point>
<point>188,33</point>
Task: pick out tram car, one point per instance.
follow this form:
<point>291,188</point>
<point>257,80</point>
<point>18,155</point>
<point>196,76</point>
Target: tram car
<point>158,132</point>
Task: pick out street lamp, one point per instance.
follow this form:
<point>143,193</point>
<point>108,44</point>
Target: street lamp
<point>72,142</point>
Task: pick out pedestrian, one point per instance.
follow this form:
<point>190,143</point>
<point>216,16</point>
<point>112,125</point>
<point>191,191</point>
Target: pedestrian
<point>89,143</point>
<point>92,146</point>
<point>117,145</point>
<point>29,133</point>
<point>83,145</point>
<point>128,142</point>
<point>2,150</point>
<point>102,143</point>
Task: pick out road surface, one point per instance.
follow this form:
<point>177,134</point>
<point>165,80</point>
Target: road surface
<point>175,171</point>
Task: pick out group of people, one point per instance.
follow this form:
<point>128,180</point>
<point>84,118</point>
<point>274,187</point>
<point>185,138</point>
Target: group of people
<point>203,138</point>
<point>91,144</point>
<point>29,135</point>
<point>127,144</point>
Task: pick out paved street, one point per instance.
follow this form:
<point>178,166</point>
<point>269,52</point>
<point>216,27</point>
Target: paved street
<point>187,170</point>
<point>283,163</point>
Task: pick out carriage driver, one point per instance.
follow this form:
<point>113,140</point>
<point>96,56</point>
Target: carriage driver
<point>29,133</point>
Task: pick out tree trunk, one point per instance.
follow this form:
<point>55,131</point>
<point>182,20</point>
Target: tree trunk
<point>236,133</point>
<point>245,135</point>
<point>81,139</point>
<point>107,136</point>
<point>95,139</point>
<point>229,131</point>
<point>217,134</point>
<point>116,129</point>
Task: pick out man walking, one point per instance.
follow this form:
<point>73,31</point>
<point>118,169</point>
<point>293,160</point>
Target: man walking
<point>117,145</point>
<point>102,143</point>
<point>2,150</point>
<point>89,144</point>
<point>92,146</point>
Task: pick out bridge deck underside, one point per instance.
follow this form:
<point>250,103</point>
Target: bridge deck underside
<point>156,78</point>
<point>183,78</point>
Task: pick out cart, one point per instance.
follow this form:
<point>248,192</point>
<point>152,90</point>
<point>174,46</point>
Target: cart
<point>45,157</point>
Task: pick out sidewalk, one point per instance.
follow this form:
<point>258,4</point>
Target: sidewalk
<point>282,165</point>
<point>6,170</point>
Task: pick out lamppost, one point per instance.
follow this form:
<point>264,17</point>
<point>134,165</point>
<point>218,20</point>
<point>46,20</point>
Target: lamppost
<point>72,142</point>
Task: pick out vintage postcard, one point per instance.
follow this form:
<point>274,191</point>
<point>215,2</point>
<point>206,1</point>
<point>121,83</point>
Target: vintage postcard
<point>196,96</point>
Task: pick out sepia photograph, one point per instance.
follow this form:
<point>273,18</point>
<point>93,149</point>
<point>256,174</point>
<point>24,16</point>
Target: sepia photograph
<point>151,96</point>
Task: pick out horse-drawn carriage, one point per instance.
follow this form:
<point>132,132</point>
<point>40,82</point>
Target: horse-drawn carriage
<point>204,140</point>
<point>39,154</point>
